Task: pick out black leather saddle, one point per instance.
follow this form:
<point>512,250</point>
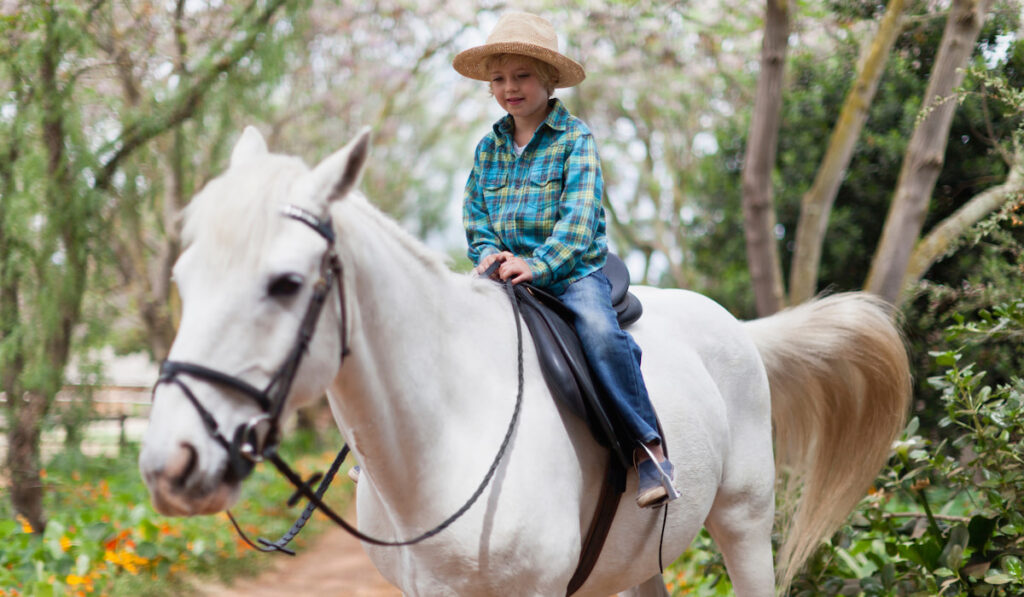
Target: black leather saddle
<point>564,364</point>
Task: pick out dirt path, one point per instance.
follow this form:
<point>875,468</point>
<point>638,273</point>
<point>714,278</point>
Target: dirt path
<point>335,565</point>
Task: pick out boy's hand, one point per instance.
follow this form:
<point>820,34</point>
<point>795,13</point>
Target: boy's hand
<point>515,269</point>
<point>512,267</point>
<point>486,262</point>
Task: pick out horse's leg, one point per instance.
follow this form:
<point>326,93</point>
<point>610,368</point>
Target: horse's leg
<point>741,525</point>
<point>652,587</point>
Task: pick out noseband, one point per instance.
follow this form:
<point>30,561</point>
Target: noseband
<point>259,438</point>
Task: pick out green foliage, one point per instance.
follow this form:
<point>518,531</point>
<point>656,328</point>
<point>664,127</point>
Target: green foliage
<point>997,247</point>
<point>105,538</point>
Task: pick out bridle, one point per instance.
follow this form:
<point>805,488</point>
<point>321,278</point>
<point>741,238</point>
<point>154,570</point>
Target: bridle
<point>258,439</point>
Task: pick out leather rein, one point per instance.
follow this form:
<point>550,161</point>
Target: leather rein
<point>258,439</point>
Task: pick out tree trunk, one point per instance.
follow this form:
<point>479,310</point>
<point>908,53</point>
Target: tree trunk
<point>941,238</point>
<point>27,407</point>
<point>816,205</point>
<point>23,433</point>
<point>926,150</point>
<point>762,144</point>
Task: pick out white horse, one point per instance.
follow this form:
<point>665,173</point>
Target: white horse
<point>429,386</point>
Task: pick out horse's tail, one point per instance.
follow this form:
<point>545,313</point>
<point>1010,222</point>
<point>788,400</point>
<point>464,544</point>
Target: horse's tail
<point>840,386</point>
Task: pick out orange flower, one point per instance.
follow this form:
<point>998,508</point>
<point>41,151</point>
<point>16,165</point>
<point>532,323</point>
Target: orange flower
<point>118,539</point>
<point>26,526</point>
<point>65,543</point>
<point>74,580</point>
<point>125,559</point>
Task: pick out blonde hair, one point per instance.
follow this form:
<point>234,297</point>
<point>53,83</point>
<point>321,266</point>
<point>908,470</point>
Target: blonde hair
<point>546,73</point>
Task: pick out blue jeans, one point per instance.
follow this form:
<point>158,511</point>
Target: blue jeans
<point>612,354</point>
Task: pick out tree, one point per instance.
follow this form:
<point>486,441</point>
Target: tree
<point>920,167</point>
<point>924,156</point>
<point>758,207</point>
<point>44,276</point>
<point>148,56</point>
<point>817,202</point>
<point>54,198</point>
<point>661,77</point>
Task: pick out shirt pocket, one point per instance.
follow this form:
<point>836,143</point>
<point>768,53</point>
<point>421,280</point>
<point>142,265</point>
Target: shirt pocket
<point>495,185</point>
<point>546,187</point>
<point>494,181</point>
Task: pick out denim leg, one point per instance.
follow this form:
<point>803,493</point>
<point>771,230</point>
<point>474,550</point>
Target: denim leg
<point>613,355</point>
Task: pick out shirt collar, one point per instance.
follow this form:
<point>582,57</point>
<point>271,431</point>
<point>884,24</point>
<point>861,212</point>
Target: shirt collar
<point>557,120</point>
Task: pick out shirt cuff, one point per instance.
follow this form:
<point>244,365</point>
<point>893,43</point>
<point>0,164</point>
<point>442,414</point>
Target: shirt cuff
<point>540,270</point>
<point>484,251</point>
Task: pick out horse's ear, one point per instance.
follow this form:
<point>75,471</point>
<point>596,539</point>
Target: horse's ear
<point>337,175</point>
<point>249,145</point>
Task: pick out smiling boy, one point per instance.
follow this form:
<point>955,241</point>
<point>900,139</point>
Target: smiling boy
<point>533,203</point>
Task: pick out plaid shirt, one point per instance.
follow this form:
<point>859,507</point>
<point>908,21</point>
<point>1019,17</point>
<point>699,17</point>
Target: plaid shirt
<point>543,206</point>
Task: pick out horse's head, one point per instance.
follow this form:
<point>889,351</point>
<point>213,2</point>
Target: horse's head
<point>257,253</point>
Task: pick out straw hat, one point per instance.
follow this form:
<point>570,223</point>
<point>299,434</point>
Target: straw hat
<point>524,34</point>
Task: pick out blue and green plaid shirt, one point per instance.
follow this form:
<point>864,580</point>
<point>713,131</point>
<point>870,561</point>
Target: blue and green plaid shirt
<point>543,206</point>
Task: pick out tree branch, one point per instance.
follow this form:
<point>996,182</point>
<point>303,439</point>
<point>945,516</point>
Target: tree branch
<point>816,205</point>
<point>925,151</point>
<point>942,237</point>
<point>184,105</point>
<point>759,159</point>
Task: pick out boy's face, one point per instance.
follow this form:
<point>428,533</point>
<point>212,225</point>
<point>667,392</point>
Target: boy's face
<point>519,92</point>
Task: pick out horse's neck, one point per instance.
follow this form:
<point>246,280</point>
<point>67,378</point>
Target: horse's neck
<point>420,338</point>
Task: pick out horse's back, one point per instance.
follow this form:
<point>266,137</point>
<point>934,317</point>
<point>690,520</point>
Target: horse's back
<point>698,354</point>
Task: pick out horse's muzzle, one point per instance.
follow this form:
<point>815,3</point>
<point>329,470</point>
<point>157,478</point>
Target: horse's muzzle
<point>177,488</point>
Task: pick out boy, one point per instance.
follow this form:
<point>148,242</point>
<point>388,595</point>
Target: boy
<point>533,203</point>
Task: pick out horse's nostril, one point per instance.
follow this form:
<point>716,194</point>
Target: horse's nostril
<point>181,464</point>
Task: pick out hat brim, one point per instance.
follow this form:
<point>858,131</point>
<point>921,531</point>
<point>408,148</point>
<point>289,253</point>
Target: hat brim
<point>472,62</point>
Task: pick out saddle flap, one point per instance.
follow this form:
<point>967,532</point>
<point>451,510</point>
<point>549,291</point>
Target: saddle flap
<point>557,374</point>
<point>566,372</point>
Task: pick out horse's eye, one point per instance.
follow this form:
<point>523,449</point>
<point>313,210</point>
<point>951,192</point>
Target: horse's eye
<point>285,285</point>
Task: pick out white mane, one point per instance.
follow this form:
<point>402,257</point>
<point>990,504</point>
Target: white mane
<point>239,211</point>
<point>350,213</point>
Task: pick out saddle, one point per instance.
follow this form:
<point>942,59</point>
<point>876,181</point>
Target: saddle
<point>568,377</point>
<point>563,362</point>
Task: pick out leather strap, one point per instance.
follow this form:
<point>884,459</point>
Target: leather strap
<point>604,515</point>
